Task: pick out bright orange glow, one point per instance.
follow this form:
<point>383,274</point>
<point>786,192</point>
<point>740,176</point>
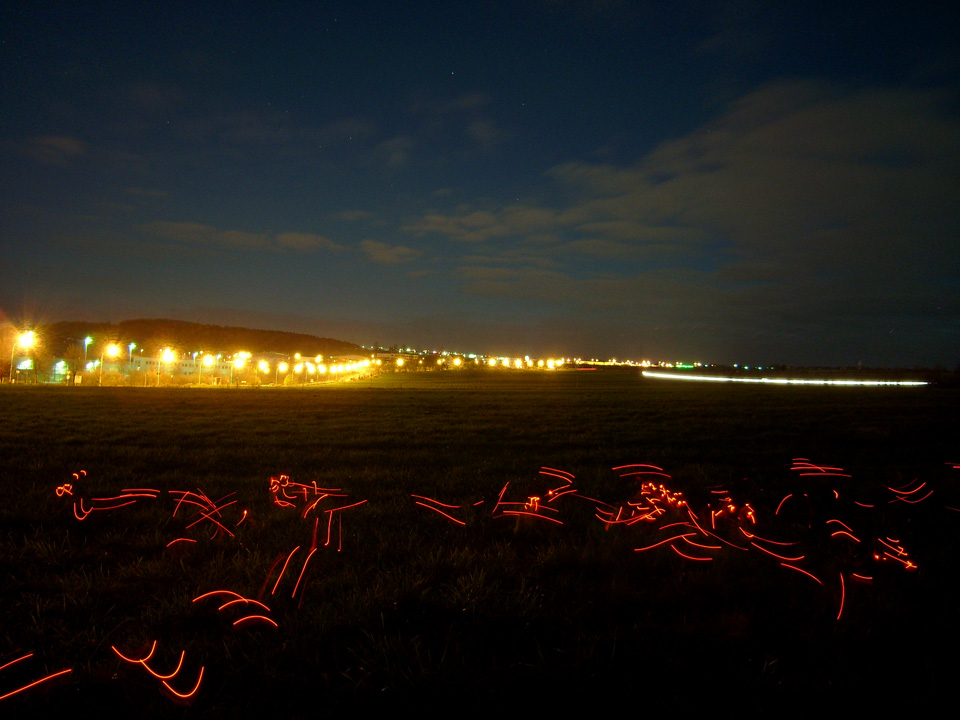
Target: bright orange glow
<point>662,542</point>
<point>160,676</point>
<point>245,601</point>
<point>146,657</point>
<point>14,662</point>
<point>302,571</point>
<point>689,557</point>
<point>441,512</point>
<point>280,577</point>
<point>186,696</point>
<point>779,557</point>
<point>255,618</point>
<point>801,570</point>
<point>179,540</point>
<point>843,596</point>
<point>35,683</point>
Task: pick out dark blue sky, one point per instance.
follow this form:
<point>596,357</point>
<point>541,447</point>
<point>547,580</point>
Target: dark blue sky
<point>752,182</point>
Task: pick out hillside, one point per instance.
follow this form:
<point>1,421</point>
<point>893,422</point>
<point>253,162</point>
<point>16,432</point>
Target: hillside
<point>65,338</point>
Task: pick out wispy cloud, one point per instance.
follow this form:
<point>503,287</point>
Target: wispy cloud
<point>200,234</point>
<point>801,201</point>
<point>52,149</point>
<point>384,254</point>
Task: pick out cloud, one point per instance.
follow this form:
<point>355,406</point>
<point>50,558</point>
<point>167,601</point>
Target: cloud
<point>487,133</point>
<point>356,215</point>
<point>467,102</point>
<point>258,128</point>
<point>199,234</point>
<point>794,172</point>
<point>53,149</point>
<point>384,254</point>
<point>395,152</point>
<point>305,242</point>
<point>149,193</point>
<point>801,201</point>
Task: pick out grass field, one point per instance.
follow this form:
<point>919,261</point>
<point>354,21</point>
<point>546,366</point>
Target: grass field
<point>400,604</point>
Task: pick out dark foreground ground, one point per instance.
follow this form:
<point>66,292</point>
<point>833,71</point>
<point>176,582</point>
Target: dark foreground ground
<point>399,604</point>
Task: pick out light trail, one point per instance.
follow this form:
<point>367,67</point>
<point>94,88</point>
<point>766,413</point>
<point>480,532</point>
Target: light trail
<point>782,381</point>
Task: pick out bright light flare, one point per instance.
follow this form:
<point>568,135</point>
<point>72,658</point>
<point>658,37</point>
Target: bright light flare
<point>27,340</point>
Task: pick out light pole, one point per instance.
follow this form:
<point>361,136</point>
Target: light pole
<point>167,356</point>
<point>25,340</point>
<point>276,376</point>
<point>86,343</point>
<point>238,364</point>
<point>130,348</point>
<point>112,351</point>
<point>208,360</point>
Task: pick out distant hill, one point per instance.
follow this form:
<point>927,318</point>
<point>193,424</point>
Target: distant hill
<point>64,338</point>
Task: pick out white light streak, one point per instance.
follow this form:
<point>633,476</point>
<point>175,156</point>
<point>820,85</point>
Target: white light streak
<point>781,381</point>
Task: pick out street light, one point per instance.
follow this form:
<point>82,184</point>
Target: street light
<point>238,363</point>
<point>86,343</point>
<point>130,348</point>
<point>25,340</point>
<point>166,356</point>
<point>112,351</point>
<point>208,360</point>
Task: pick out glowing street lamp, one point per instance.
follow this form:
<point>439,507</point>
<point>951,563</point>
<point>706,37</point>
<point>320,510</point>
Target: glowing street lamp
<point>86,343</point>
<point>112,351</point>
<point>238,364</point>
<point>25,340</point>
<point>130,348</point>
<point>166,356</point>
<point>208,361</point>
<point>281,367</point>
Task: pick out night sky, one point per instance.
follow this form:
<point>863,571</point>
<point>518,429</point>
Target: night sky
<point>724,182</point>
